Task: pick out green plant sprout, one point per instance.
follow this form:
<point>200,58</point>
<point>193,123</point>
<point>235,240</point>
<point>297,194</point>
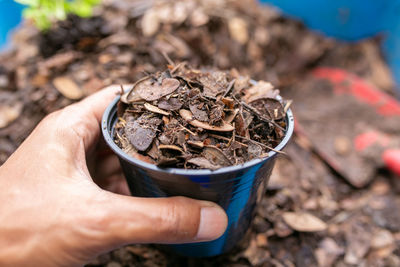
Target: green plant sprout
<point>45,12</point>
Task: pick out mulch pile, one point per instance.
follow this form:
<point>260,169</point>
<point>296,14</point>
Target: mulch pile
<point>309,216</point>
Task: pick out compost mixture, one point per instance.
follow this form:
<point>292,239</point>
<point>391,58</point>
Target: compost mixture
<point>188,118</point>
<point>309,215</point>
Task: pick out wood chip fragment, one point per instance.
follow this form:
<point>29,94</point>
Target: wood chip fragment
<point>238,30</point>
<point>68,88</point>
<point>198,144</point>
<point>133,153</point>
<point>142,131</point>
<point>9,113</point>
<point>231,116</point>
<point>171,147</point>
<point>304,222</point>
<point>155,109</point>
<point>150,23</point>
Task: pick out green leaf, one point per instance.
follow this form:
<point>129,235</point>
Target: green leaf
<point>28,2</point>
<point>81,9</point>
<point>44,12</point>
<point>59,10</point>
<point>39,17</point>
<point>93,2</point>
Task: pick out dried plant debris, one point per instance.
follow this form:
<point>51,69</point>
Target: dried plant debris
<point>199,119</point>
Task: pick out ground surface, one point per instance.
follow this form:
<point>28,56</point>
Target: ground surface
<point>361,227</point>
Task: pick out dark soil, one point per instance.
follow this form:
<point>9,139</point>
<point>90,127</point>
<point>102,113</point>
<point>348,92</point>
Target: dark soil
<point>74,33</point>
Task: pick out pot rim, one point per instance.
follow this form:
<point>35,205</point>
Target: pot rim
<point>188,172</point>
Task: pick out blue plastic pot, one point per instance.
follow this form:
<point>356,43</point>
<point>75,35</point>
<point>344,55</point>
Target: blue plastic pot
<point>10,17</point>
<point>235,188</point>
<point>351,20</point>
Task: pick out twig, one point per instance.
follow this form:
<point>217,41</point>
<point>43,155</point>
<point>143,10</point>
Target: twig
<point>230,86</point>
<point>253,110</point>
<point>179,65</point>
<point>261,144</point>
<point>170,62</point>
<point>189,131</point>
<point>287,106</point>
<point>226,139</point>
<point>219,137</point>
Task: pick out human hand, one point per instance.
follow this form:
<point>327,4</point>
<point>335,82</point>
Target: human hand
<point>53,214</point>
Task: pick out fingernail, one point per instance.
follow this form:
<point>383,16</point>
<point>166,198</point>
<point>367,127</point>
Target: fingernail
<point>212,225</point>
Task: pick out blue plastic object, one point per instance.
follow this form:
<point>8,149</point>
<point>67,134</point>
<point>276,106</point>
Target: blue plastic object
<point>351,20</point>
<point>236,189</point>
<point>10,17</point>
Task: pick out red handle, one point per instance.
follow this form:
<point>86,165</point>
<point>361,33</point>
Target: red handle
<point>391,157</point>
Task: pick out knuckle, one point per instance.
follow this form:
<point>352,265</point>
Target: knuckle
<point>70,121</point>
<point>97,220</point>
<point>174,221</point>
<point>50,119</point>
<point>100,219</point>
<point>47,123</point>
<point>171,218</point>
<point>80,129</point>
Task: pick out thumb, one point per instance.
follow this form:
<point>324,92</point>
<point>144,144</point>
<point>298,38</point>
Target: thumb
<point>160,220</point>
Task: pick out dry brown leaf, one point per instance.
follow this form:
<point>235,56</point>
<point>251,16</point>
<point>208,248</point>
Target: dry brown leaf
<point>269,107</point>
<point>188,116</point>
<point>150,90</point>
<point>121,38</point>
<point>170,104</point>
<point>60,60</point>
<point>382,238</point>
<point>68,88</point>
<point>358,234</point>
<point>9,113</point>
<point>327,252</point>
<point>215,155</point>
<point>260,90</point>
<point>198,18</point>
<point>150,23</point>
<point>204,163</point>
<point>304,222</point>
<point>255,255</point>
<point>238,30</point>
<point>199,114</point>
